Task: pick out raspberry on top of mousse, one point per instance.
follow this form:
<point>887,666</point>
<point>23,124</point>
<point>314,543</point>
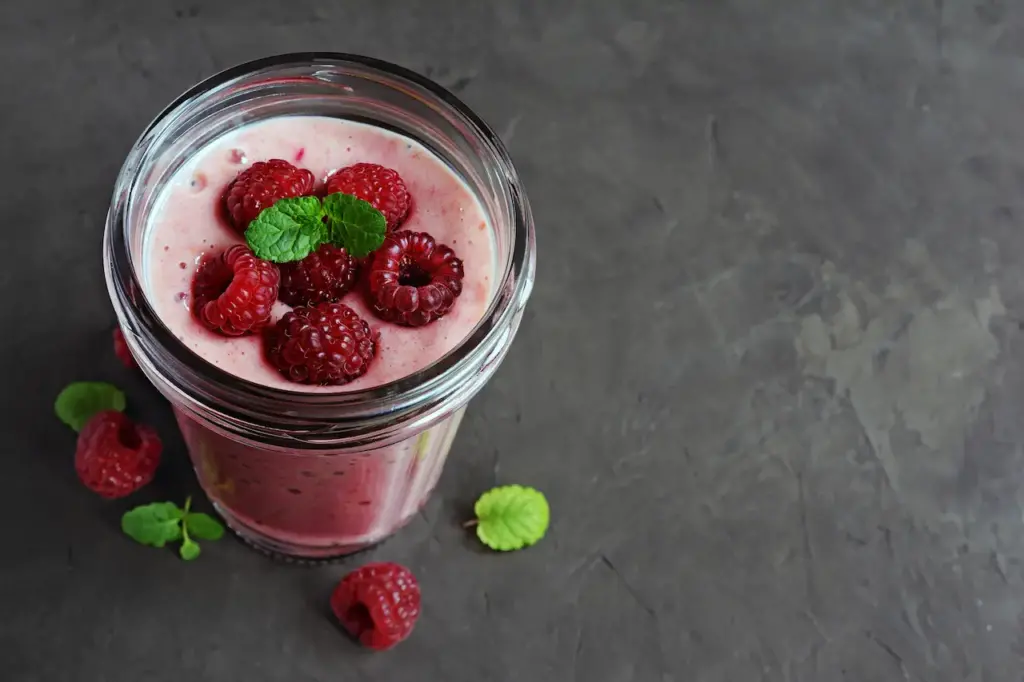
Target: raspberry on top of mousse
<point>233,292</point>
<point>413,280</point>
<point>260,185</point>
<point>381,187</point>
<point>325,275</point>
<point>410,280</point>
<point>327,344</point>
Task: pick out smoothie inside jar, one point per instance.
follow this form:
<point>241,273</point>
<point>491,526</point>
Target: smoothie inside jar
<point>187,223</point>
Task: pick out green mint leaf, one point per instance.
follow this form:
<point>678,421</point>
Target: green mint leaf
<point>289,230</point>
<point>189,550</point>
<point>203,526</point>
<point>80,401</point>
<point>511,517</point>
<point>153,524</point>
<point>354,224</point>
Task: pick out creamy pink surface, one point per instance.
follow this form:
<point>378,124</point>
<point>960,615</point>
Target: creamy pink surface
<point>186,224</point>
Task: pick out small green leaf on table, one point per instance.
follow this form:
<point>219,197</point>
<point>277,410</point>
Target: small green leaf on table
<point>159,523</point>
<point>511,517</point>
<point>153,524</point>
<point>82,400</point>
<point>203,526</point>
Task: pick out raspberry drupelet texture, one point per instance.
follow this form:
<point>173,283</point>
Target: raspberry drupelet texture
<point>327,344</point>
<point>382,187</point>
<point>413,280</point>
<point>233,293</point>
<point>262,184</point>
<point>323,276</point>
<point>115,456</point>
<point>378,604</point>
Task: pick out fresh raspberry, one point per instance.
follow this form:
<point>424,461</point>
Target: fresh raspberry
<point>413,280</point>
<point>121,350</point>
<point>233,293</point>
<point>323,276</point>
<point>378,604</point>
<point>326,344</point>
<point>262,184</point>
<point>377,185</point>
<point>115,457</point>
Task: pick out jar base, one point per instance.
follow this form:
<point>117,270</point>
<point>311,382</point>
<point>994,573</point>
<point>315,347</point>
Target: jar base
<point>292,553</point>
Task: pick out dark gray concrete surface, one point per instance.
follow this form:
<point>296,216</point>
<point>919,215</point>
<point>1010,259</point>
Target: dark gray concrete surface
<point>771,376</point>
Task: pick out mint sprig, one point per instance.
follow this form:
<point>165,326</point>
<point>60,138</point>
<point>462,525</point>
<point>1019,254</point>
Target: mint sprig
<point>289,230</point>
<point>82,400</point>
<point>292,229</point>
<point>511,517</point>
<point>159,523</point>
<point>203,526</point>
<point>354,224</point>
<point>189,549</point>
<point>153,524</point>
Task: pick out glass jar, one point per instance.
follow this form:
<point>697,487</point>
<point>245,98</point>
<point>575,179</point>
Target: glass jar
<point>316,475</point>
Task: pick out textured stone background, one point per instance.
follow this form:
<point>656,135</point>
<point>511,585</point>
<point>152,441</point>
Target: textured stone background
<point>770,377</point>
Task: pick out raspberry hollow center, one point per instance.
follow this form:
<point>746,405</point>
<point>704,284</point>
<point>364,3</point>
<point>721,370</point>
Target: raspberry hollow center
<point>128,436</point>
<point>359,620</point>
<point>413,275</point>
<point>218,277</point>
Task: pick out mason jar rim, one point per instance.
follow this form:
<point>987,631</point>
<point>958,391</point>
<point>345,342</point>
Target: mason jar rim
<point>270,414</point>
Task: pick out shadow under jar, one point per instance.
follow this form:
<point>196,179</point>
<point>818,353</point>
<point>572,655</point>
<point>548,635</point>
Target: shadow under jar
<point>310,474</point>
